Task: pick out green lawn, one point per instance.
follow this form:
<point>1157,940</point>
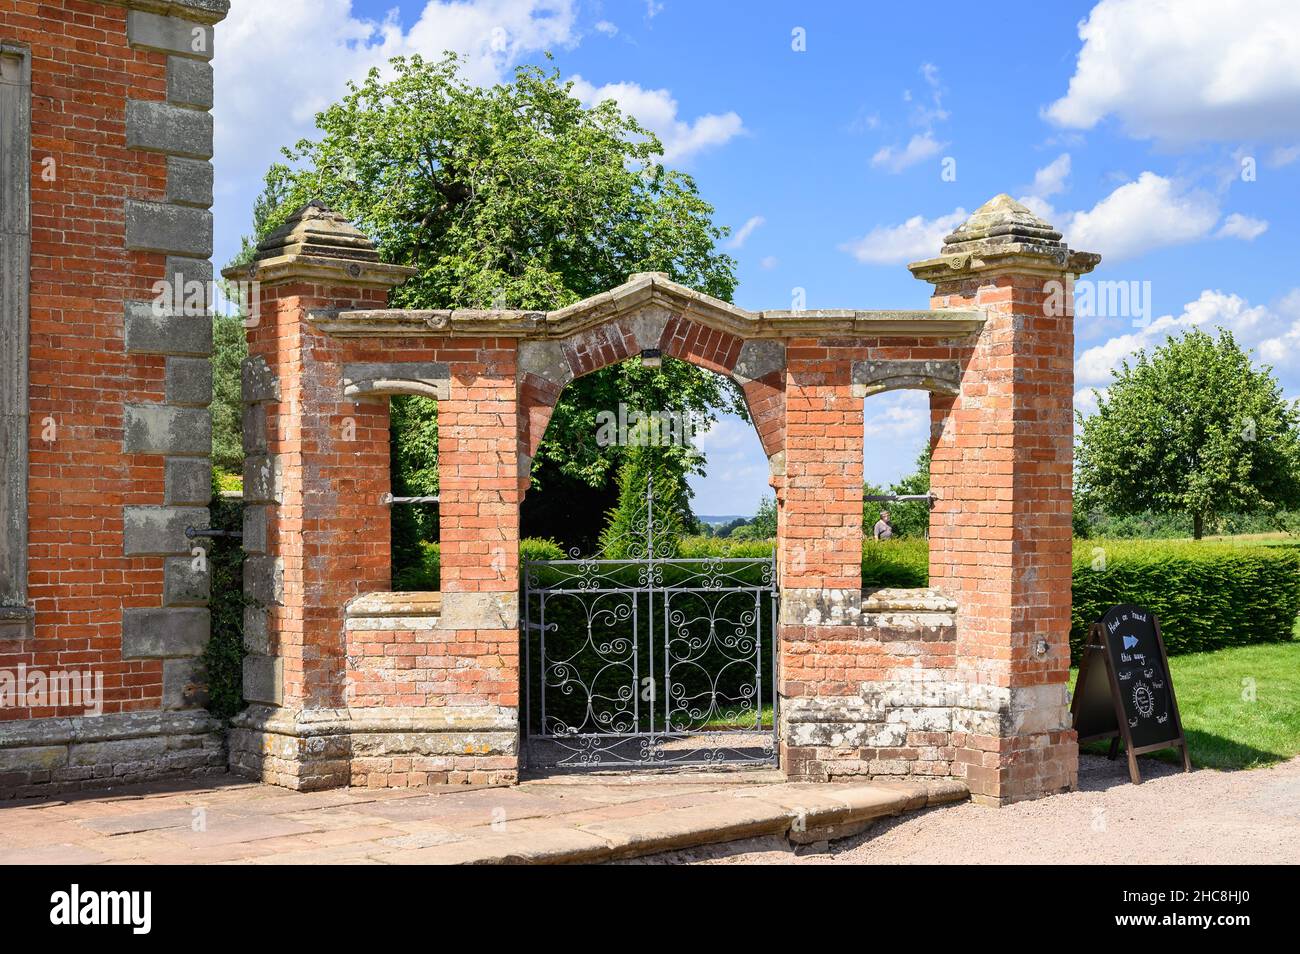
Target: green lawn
<point>1226,729</point>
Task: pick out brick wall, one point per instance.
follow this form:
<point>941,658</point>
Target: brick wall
<point>117,435</point>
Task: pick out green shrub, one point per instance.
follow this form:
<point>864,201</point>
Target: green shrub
<point>1207,595</point>
<point>705,548</point>
<point>900,562</point>
<point>224,656</point>
<point>424,576</point>
<point>537,548</point>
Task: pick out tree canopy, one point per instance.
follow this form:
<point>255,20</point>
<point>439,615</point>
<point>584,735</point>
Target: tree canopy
<point>515,196</point>
<point>1192,428</point>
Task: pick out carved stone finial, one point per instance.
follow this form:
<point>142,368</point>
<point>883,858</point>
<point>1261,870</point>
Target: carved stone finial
<point>317,242</point>
<point>1003,235</point>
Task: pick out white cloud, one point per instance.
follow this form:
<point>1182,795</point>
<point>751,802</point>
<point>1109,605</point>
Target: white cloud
<point>1150,212</point>
<point>1282,349</point>
<point>1284,156</point>
<point>1252,326</point>
<point>925,112</point>
<point>1241,226</point>
<point>917,238</point>
<point>607,28</point>
<point>745,231</point>
<point>1187,70</point>
<point>301,53</point>
<point>919,148</point>
<point>1085,400</point>
<point>769,262</point>
<point>1050,179</point>
<point>656,109</point>
<point>897,415</point>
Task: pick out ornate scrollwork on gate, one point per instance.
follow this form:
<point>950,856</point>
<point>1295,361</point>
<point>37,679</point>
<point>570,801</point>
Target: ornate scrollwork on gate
<point>646,658</point>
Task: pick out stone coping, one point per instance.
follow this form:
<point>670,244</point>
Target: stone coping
<point>61,730</point>
<point>196,11</point>
<point>306,723</point>
<point>394,604</point>
<point>640,291</point>
<point>885,599</point>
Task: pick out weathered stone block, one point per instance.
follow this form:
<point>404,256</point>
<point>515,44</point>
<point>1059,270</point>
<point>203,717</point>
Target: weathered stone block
<point>261,478</point>
<point>185,684</point>
<point>264,579</point>
<point>257,382</point>
<point>33,758</point>
<point>480,610</point>
<point>164,633</point>
<point>174,130</point>
<point>148,332</point>
<point>759,358</point>
<point>189,381</point>
<point>163,429</point>
<point>189,182</point>
<point>183,585</point>
<point>189,82</point>
<point>264,679</point>
<point>188,480</point>
<point>152,31</point>
<point>257,630</point>
<point>160,531</point>
<point>255,520</point>
<point>189,269</point>
<point>431,378</point>
<point>156,227</point>
<point>254,436</point>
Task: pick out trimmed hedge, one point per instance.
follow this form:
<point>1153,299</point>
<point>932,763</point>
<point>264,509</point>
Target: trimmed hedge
<point>424,576</point>
<point>1207,595</point>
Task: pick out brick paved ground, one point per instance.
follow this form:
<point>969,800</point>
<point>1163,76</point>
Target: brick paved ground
<point>567,819</point>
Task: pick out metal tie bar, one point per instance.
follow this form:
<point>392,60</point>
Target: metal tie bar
<point>192,532</point>
<point>388,499</point>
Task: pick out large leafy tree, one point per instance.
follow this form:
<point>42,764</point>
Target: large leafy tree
<point>1193,428</point>
<point>515,196</point>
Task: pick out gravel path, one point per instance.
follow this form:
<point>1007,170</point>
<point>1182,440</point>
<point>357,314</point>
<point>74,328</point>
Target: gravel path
<point>1171,818</point>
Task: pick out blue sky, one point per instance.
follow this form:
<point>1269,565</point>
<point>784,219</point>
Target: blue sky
<point>1164,134</point>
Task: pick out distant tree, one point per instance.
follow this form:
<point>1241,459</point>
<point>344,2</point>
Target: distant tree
<point>1194,428</point>
<point>625,533</point>
<point>764,522</point>
<point>229,349</point>
<point>909,518</point>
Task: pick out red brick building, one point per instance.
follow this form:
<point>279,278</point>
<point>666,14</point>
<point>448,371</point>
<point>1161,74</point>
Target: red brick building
<point>105,185</point>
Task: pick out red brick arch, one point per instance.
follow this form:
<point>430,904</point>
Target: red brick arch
<point>622,338</point>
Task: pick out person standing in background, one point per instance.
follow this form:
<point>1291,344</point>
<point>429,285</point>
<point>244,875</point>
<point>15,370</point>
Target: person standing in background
<point>883,529</point>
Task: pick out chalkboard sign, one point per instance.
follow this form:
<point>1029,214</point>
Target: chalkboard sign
<point>1124,692</point>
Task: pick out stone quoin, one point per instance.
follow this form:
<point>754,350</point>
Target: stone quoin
<point>348,683</point>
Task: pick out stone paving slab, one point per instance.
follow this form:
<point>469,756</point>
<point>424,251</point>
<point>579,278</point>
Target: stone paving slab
<point>564,819</point>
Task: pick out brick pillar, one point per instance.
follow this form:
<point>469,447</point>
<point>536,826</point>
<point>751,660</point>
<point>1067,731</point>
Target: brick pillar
<point>1000,538</point>
<point>315,529</point>
<point>819,547</point>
